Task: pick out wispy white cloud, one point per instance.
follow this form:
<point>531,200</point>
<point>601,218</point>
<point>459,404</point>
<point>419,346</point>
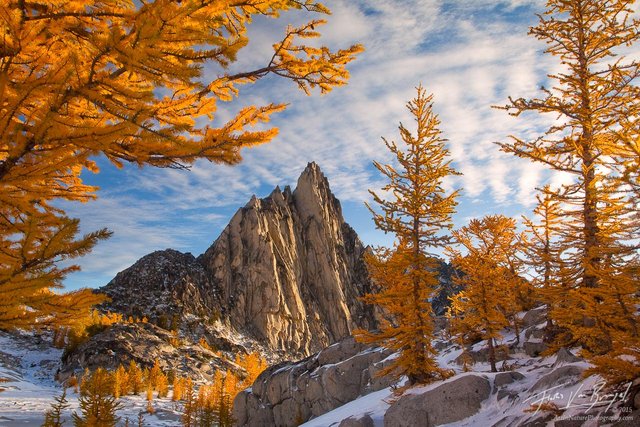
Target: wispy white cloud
<point>471,54</point>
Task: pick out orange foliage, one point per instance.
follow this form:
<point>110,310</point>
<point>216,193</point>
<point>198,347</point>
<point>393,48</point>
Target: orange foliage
<point>126,80</point>
<point>418,213</point>
<point>490,280</point>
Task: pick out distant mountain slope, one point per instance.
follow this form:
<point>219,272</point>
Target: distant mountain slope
<point>163,284</point>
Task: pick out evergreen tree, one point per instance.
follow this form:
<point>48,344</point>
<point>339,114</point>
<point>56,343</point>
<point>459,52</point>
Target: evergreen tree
<point>53,417</point>
<point>484,306</point>
<point>97,405</point>
<point>418,214</point>
<point>136,377</point>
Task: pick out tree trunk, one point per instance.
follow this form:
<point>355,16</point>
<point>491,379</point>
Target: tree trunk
<point>516,328</point>
<point>492,356</point>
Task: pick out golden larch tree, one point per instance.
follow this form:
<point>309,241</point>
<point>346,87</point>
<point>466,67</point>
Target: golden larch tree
<point>544,255</point>
<point>488,302</point>
<point>595,99</point>
<point>418,212</point>
<point>120,382</point>
<point>253,364</point>
<point>132,82</point>
<point>96,403</point>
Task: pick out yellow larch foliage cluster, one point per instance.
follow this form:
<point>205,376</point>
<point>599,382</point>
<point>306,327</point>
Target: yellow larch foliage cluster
<point>97,403</point>
<point>212,405</point>
<point>490,279</point>
<point>580,251</point>
<point>124,80</point>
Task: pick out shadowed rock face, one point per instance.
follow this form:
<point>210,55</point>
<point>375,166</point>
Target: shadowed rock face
<point>143,343</point>
<point>286,273</point>
<point>164,283</point>
<point>290,270</point>
<point>288,394</point>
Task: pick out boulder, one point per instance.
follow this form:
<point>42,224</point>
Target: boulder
<point>247,411</point>
<point>364,421</point>
<point>292,393</point>
<point>534,317</point>
<point>539,420</point>
<point>449,402</point>
<point>376,381</point>
<point>534,347</point>
<point>534,332</point>
<point>339,351</point>
<point>506,394</point>
<point>504,378</point>
<point>564,356</point>
<point>569,374</point>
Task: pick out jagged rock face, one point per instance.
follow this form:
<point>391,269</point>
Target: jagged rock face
<point>290,270</point>
<point>163,283</point>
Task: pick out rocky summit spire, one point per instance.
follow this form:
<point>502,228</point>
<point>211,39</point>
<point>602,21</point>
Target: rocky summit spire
<point>290,269</point>
<point>314,198</point>
<point>287,271</point>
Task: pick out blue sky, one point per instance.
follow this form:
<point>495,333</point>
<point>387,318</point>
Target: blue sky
<point>471,54</point>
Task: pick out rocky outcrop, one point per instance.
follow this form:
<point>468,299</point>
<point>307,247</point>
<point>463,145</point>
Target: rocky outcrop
<point>564,356</point>
<point>568,374</point>
<point>291,270</point>
<point>143,343</point>
<point>447,288</point>
<point>291,393</point>
<point>449,402</point>
<point>163,286</point>
<point>364,421</point>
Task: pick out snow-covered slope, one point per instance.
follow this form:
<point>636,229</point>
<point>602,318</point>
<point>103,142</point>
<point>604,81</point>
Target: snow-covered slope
<point>28,365</point>
<point>513,405</point>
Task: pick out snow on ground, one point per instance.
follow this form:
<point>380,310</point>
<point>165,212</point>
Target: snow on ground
<point>575,396</point>
<point>374,404</point>
<point>28,366</point>
<point>522,404</point>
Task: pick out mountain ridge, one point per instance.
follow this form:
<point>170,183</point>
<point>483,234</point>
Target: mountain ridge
<point>287,272</point>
